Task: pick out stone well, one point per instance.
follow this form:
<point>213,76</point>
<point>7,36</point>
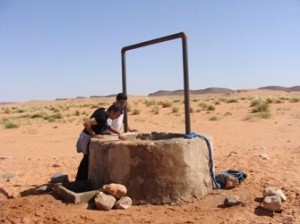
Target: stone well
<point>156,168</point>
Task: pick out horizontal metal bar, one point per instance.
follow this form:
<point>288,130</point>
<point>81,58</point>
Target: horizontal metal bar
<point>154,41</point>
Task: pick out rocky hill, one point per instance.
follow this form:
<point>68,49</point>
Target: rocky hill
<point>220,90</point>
<point>289,89</point>
<point>212,90</point>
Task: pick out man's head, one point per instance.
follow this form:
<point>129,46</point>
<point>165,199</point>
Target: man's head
<point>121,99</point>
<point>114,111</point>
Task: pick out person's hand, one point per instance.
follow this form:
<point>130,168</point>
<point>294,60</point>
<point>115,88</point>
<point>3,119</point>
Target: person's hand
<point>121,137</point>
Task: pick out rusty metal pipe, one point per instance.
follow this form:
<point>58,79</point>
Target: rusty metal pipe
<point>185,73</point>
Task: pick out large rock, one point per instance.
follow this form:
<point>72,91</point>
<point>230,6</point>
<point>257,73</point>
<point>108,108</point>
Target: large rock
<point>156,168</point>
<point>271,191</point>
<point>123,203</point>
<point>116,190</point>
<point>104,201</point>
<point>232,200</point>
<point>273,203</point>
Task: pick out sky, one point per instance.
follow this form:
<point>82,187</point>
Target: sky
<point>69,48</point>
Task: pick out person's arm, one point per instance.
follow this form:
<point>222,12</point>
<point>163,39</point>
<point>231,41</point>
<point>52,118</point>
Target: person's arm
<point>88,126</point>
<point>121,137</point>
<point>132,130</point>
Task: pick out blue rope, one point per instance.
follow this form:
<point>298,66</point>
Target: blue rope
<point>210,150</point>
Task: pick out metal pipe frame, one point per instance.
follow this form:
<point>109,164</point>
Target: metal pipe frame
<point>181,35</point>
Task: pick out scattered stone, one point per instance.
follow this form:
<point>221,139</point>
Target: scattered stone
<point>123,203</point>
<point>56,165</point>
<point>271,191</point>
<point>232,200</point>
<point>5,157</point>
<point>259,148</point>
<point>232,153</point>
<point>116,190</point>
<point>273,203</point>
<point>231,182</point>
<point>59,178</point>
<point>104,201</point>
<point>264,156</point>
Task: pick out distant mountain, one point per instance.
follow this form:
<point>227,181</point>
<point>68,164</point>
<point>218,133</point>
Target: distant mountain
<point>294,88</point>
<point>3,103</point>
<point>211,90</point>
<point>61,99</point>
<point>220,90</point>
<point>111,95</point>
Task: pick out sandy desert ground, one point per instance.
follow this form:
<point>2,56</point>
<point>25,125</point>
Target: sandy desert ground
<point>37,140</point>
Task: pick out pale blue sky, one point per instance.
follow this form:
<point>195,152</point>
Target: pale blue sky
<point>67,48</point>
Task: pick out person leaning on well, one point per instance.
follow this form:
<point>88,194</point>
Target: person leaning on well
<point>94,127</point>
<point>117,124</point>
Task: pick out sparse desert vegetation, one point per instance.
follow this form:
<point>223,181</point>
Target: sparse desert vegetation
<point>13,116</point>
<point>38,140</point>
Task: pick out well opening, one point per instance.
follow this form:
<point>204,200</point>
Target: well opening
<point>154,136</point>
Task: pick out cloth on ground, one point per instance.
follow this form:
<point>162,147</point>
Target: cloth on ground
<point>241,176</point>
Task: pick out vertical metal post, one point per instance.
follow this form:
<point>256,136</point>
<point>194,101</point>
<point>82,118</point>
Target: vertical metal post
<point>124,87</point>
<point>186,85</point>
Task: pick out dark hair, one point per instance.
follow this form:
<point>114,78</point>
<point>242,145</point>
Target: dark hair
<point>121,96</point>
<point>115,108</point>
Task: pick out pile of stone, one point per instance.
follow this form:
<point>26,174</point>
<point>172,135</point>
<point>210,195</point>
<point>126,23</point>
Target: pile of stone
<point>112,196</point>
<point>273,199</point>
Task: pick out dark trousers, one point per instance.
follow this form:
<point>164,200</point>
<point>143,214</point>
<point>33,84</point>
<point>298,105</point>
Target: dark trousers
<point>83,169</point>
